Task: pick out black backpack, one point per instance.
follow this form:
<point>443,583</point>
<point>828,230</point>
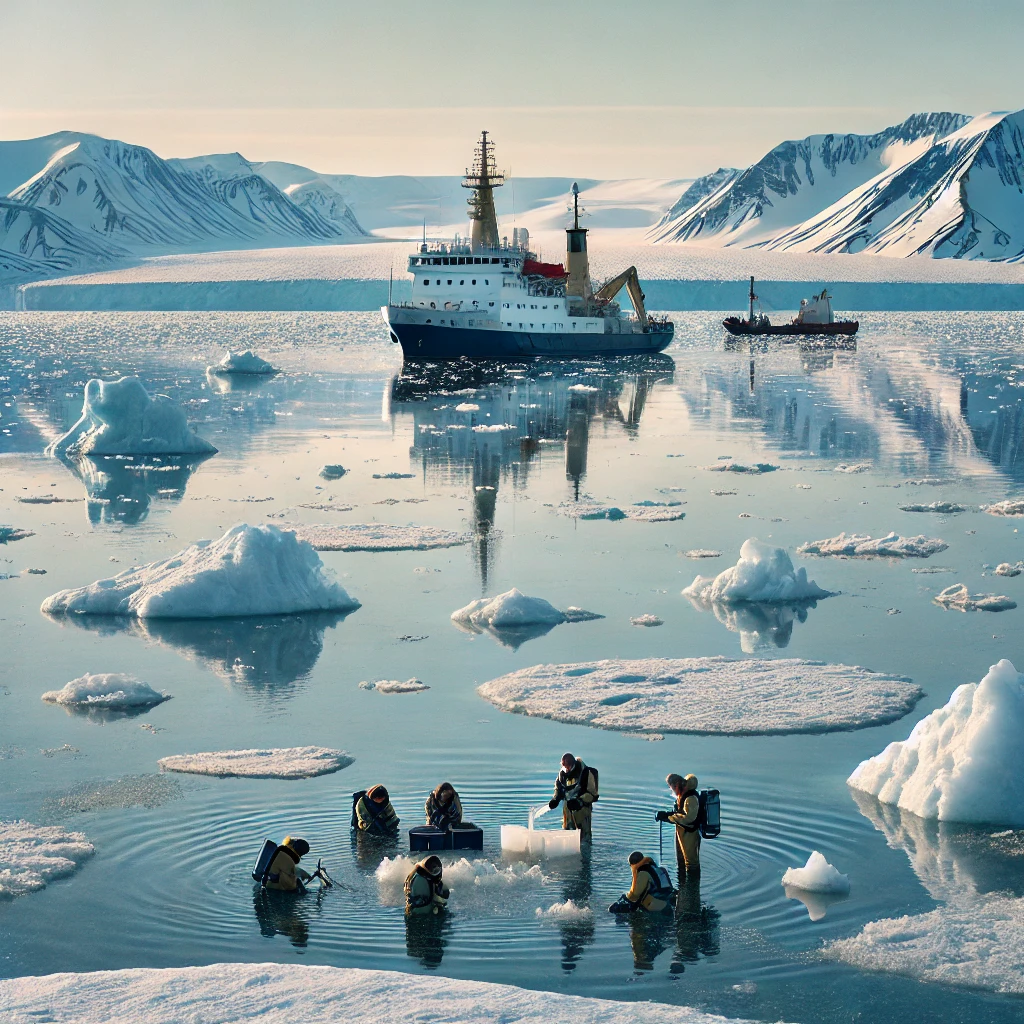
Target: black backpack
<point>356,797</point>
<point>597,785</point>
<point>709,817</point>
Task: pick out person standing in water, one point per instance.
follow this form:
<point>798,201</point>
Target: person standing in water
<point>443,807</point>
<point>577,786</point>
<point>685,817</point>
<point>425,892</point>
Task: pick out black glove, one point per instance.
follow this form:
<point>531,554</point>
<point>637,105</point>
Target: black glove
<point>661,816</point>
<point>553,802</point>
<point>574,805</point>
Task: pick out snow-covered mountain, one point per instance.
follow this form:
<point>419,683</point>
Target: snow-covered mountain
<point>78,201</point>
<point>320,199</point>
<point>942,185</point>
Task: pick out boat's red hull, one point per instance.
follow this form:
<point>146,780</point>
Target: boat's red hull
<point>734,325</point>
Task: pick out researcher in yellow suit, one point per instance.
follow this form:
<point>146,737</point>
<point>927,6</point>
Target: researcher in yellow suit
<point>685,817</point>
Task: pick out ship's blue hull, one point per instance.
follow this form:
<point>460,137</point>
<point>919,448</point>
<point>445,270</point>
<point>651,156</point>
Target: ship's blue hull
<point>433,342</point>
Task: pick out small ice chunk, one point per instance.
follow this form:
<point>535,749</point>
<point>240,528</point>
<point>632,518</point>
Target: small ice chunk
<point>582,387</point>
<point>120,418</point>
<point>275,763</point>
<point>763,574</point>
<point>393,476</point>
<point>566,913</point>
<point>242,362</point>
<point>395,686</point>
<point>647,620</point>
<point>332,471</point>
<point>1010,507</point>
<point>1002,569</point>
<point>958,598</point>
<point>251,570</point>
<point>860,545</point>
<point>944,507</point>
<point>375,537</point>
<point>702,553</point>
<point>854,467</point>
<point>817,875</point>
<point>739,467</point>
<point>467,407</point>
<point>110,690</point>
<point>961,762</point>
<point>460,874</point>
<point>508,610</point>
<point>32,855</point>
<point>644,513</point>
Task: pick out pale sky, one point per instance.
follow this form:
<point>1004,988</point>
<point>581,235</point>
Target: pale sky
<point>592,89</point>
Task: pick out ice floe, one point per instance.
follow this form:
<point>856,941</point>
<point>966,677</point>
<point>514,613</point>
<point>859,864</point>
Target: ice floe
<point>251,570</point>
<point>32,855</point>
<point>706,695</point>
<point>859,545</point>
<point>513,617</point>
<point>945,507</point>
<point>702,553</point>
<point>961,762</point>
<point>394,686</point>
<point>467,407</point>
<point>242,362</point>
<point>275,763</point>
<point>1002,569</point>
<point>110,690</point>
<point>1010,507</point>
<point>9,533</point>
<point>566,913</point>
<point>644,513</point>
<point>120,418</point>
<point>44,499</point>
<point>647,620</point>
<point>739,467</point>
<point>817,875</point>
<point>266,994</point>
<point>854,467</point>
<point>375,537</point>
<point>332,471</point>
<point>958,598</point>
<point>975,938</point>
<point>763,574</point>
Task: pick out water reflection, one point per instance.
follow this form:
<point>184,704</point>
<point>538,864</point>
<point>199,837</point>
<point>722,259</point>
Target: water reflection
<point>266,656</point>
<point>578,934</point>
<point>121,489</point>
<point>426,938</point>
<point>817,903</point>
<point>760,626</point>
<point>284,913</point>
<point>483,426</point>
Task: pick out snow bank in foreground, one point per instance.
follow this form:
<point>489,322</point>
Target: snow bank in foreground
<point>251,570</point>
<point>120,418</point>
<point>978,942</point>
<point>963,761</point>
<point>267,994</point>
<point>1010,507</point>
<point>276,763</point>
<point>705,695</point>
<point>817,875</point>
<point>395,686</point>
<point>242,362</point>
<point>763,574</point>
<point>892,545</point>
<point>958,598</point>
<point>106,690</point>
<point>32,855</point>
<point>375,537</point>
<point>566,913</point>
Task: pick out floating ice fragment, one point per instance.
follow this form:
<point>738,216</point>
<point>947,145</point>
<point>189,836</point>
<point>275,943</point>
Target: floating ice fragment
<point>375,537</point>
<point>702,553</point>
<point>110,690</point>
<point>120,418</point>
<point>856,467</point>
<point>9,533</point>
<point>1002,569</point>
<point>251,570</point>
<point>395,686</point>
<point>467,407</point>
<point>242,362</point>
<point>393,476</point>
<point>514,610</point>
<point>275,763</point>
<point>32,855</point>
<point>44,499</point>
<point>944,507</point>
<point>332,471</point>
<point>1010,507</point>
<point>706,695</point>
<point>739,467</point>
<point>642,513</point>
<point>892,545</point>
<point>566,913</point>
<point>647,620</point>
<point>817,875</point>
<point>958,598</point>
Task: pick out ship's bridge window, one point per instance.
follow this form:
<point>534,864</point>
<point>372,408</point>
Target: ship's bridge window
<point>490,303</point>
<point>449,281</point>
<point>534,306</point>
<point>426,281</point>
<point>462,282</point>
<point>544,307</point>
<point>439,284</point>
<point>504,263</point>
<point>474,280</point>
<point>486,281</point>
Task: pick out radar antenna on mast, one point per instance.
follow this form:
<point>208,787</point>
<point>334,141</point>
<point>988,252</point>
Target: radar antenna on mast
<point>483,178</point>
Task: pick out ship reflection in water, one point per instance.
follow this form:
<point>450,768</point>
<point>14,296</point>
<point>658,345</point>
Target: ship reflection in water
<point>482,426</point>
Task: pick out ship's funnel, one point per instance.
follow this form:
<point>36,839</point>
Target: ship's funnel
<point>577,262</point>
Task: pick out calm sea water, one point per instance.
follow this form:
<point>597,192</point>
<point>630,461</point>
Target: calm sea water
<point>925,397</point>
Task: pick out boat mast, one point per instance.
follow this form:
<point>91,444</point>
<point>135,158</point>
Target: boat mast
<point>483,178</point>
<point>752,297</point>
<point>577,262</point>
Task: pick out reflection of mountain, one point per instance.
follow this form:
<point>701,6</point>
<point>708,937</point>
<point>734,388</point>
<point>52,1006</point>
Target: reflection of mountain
<point>894,408</point>
<point>482,426</point>
<point>120,489</point>
<point>265,656</point>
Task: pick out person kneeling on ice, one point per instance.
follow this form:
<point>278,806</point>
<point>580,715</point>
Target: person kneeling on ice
<point>284,873</point>
<point>372,812</point>
<point>651,889</point>
<point>577,786</point>
<point>443,807</point>
<point>685,816</point>
<point>425,892</point>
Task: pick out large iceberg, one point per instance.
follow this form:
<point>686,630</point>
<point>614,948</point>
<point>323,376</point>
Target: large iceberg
<point>764,574</point>
<point>963,761</point>
<point>120,418</point>
<point>706,695</point>
<point>251,570</point>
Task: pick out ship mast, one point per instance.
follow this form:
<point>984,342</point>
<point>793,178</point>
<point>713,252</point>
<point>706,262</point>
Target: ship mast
<point>577,262</point>
<point>752,297</point>
<point>483,178</point>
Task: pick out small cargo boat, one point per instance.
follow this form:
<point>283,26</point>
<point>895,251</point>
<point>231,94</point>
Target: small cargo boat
<point>815,318</point>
